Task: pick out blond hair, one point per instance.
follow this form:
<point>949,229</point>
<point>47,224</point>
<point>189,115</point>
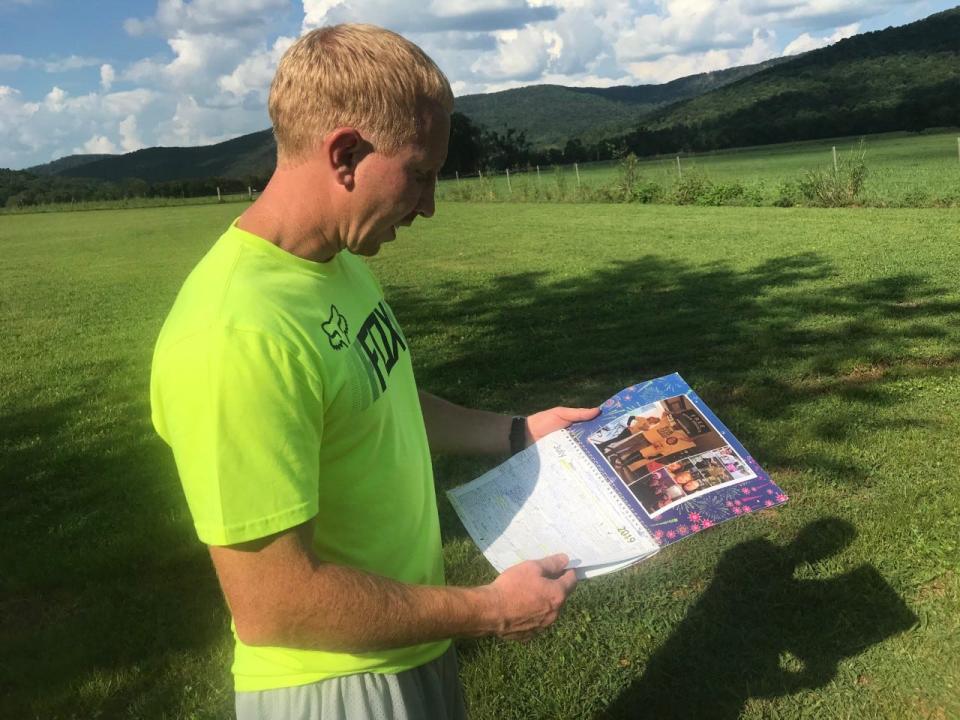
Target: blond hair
<point>359,76</point>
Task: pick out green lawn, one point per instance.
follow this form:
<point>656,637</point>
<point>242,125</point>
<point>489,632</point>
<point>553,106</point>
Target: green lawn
<point>827,341</point>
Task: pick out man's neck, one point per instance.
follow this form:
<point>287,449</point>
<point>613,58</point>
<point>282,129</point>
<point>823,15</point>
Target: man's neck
<point>282,216</point>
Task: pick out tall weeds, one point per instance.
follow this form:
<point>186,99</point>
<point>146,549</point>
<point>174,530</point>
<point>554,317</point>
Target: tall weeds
<point>840,186</point>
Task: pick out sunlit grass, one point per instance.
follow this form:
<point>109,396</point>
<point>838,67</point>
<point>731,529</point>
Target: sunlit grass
<point>826,339</point>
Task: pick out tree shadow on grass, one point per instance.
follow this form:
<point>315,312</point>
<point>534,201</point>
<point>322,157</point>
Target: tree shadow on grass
<point>761,345</point>
<point>758,632</point>
<point>103,577</point>
<point>102,571</point>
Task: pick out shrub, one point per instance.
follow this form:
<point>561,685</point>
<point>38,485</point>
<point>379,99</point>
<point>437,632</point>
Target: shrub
<point>836,187</point>
<point>787,194</point>
<point>690,189</point>
<point>721,194</point>
<point>561,183</point>
<point>631,186</point>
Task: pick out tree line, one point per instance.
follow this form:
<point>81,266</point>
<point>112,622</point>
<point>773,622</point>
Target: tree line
<point>19,188</point>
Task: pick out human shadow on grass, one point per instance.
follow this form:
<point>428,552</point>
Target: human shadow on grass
<point>758,632</point>
<point>759,344</point>
<point>101,572</point>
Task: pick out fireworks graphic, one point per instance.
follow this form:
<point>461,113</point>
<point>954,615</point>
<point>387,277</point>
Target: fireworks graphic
<point>706,508</point>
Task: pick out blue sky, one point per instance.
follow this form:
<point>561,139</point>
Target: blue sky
<point>110,76</point>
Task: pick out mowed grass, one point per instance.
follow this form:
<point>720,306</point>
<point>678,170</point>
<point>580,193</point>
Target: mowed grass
<point>827,340</point>
<point>904,169</point>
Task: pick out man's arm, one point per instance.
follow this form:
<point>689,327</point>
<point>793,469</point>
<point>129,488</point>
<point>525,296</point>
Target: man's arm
<point>280,594</point>
<point>458,430</point>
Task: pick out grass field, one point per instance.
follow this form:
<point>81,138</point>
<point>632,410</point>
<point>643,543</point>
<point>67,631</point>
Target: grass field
<point>827,340</point>
<point>133,203</point>
<point>904,169</point>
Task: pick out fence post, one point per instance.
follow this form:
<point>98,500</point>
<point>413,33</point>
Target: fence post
<point>576,169</point>
<point>836,166</point>
<point>480,173</point>
<point>457,172</point>
<point>219,199</point>
<point>538,167</point>
<point>679,171</point>
<point>250,192</point>
<point>509,187</point>
<point>958,148</point>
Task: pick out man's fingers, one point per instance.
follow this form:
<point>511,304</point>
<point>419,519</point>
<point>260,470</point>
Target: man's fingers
<point>568,580</point>
<point>553,565</point>
<point>577,414</point>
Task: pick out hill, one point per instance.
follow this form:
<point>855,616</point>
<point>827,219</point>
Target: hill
<point>65,163</point>
<point>903,78</point>
<point>250,155</point>
<point>549,115</point>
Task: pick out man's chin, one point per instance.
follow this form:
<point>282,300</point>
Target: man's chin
<point>365,250</point>
<point>370,246</point>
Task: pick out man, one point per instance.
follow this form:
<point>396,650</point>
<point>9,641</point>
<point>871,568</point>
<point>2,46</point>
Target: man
<point>284,385</point>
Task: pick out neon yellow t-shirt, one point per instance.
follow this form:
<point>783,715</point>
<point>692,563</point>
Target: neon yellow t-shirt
<point>286,391</point>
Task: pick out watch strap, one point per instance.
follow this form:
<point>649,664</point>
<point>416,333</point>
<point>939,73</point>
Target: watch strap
<point>518,434</point>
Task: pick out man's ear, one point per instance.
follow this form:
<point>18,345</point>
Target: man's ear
<point>345,148</point>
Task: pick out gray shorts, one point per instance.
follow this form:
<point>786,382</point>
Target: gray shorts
<point>428,692</point>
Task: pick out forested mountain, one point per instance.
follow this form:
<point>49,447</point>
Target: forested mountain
<point>549,115</point>
<point>65,163</point>
<point>905,78</point>
<point>250,155</point>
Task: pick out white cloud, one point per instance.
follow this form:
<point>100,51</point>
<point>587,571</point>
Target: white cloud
<point>198,61</point>
<point>253,75</point>
<point>195,124</point>
<point>205,16</point>
<point>671,67</point>
<point>52,65</point>
<point>14,115</point>
<point>199,58</point>
<point>419,18</point>
<point>98,144</point>
<point>62,123</point>
<point>129,138</point>
<point>127,102</point>
<point>805,41</point>
<point>520,55</point>
<point>12,62</point>
<point>73,62</point>
<point>55,100</point>
<point>107,76</point>
<point>820,14</point>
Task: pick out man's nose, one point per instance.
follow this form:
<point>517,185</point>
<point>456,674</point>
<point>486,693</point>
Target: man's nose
<point>427,204</point>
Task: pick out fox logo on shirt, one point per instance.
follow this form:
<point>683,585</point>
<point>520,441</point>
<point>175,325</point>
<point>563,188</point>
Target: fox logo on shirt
<point>336,329</point>
<point>381,341</point>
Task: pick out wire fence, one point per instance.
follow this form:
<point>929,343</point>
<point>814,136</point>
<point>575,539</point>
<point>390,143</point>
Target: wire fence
<point>780,176</point>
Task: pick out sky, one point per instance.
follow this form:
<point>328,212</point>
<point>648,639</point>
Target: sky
<point>105,76</point>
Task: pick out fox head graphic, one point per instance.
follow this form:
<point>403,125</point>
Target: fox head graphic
<point>336,329</point>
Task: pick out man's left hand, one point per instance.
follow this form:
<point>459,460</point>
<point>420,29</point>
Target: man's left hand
<point>543,423</point>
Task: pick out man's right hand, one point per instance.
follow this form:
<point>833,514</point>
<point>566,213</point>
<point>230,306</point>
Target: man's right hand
<point>529,596</point>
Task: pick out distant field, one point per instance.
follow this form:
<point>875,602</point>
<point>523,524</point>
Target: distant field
<point>827,339</point>
<point>904,169</point>
<point>133,203</point>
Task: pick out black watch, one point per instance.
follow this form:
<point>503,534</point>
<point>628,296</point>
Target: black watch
<point>518,434</point>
